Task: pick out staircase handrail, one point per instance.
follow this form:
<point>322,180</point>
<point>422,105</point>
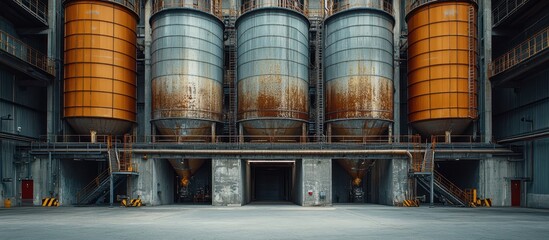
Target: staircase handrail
<point>455,190</point>
<point>92,185</point>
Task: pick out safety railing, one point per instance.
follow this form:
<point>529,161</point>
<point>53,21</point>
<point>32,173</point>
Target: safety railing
<point>413,4</point>
<point>17,48</point>
<point>315,13</point>
<point>92,186</point>
<point>210,6</point>
<point>383,5</point>
<point>525,50</point>
<point>289,4</point>
<point>133,5</point>
<point>36,7</point>
<point>451,187</point>
<point>84,142</point>
<point>505,9</point>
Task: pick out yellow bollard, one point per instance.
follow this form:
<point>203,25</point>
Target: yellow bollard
<point>7,203</point>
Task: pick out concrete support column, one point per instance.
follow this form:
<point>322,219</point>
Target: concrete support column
<point>316,175</point>
<point>495,180</point>
<point>155,183</point>
<point>393,182</point>
<point>227,186</point>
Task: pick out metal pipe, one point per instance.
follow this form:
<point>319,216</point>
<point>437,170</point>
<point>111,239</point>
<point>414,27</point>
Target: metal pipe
<point>50,177</point>
<point>531,136</point>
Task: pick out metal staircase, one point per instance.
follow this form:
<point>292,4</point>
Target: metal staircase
<point>445,189</point>
<point>118,170</point>
<point>441,187</point>
<point>471,53</point>
<point>99,186</point>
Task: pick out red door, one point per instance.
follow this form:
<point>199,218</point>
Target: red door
<point>515,193</point>
<point>27,189</point>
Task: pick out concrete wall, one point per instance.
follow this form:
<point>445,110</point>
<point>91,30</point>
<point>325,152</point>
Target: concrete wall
<point>227,182</point>
<point>494,180</point>
<point>317,178</point>
<point>393,180</point>
<point>298,182</point>
<point>155,183</point>
<point>246,182</point>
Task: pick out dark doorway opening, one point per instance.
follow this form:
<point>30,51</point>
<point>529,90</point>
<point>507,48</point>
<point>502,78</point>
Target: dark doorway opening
<point>272,181</point>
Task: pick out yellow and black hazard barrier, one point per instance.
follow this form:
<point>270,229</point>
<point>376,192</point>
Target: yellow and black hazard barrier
<point>410,203</point>
<point>132,203</point>
<point>136,202</point>
<point>481,203</point>
<point>50,202</point>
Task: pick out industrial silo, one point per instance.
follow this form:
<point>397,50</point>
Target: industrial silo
<point>100,65</point>
<point>358,65</point>
<point>187,68</point>
<point>187,75</point>
<point>442,65</point>
<point>273,66</point>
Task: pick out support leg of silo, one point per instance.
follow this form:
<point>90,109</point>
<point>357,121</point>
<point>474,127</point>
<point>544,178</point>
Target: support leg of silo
<point>240,133</point>
<point>391,133</point>
<point>303,133</point>
<point>329,132</point>
<point>432,192</point>
<point>213,132</point>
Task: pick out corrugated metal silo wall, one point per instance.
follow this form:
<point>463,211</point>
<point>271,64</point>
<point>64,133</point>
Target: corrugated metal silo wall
<point>273,68</point>
<point>530,101</point>
<point>359,71</point>
<point>187,71</point>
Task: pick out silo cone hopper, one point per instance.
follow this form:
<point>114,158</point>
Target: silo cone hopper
<point>356,168</point>
<point>186,168</point>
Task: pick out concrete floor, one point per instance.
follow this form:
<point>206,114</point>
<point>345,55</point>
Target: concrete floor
<point>259,221</point>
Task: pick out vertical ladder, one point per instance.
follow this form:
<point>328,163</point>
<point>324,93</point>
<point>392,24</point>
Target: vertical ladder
<point>319,82</point>
<point>471,53</point>
<point>126,161</point>
<point>231,79</point>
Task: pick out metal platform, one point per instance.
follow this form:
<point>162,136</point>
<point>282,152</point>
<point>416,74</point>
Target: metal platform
<point>377,150</point>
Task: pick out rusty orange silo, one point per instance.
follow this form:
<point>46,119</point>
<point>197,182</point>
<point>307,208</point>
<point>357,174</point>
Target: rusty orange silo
<point>100,65</point>
<point>442,65</point>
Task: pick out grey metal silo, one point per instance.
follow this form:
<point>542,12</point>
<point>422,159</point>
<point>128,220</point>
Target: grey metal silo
<point>358,65</point>
<point>187,67</point>
<point>273,65</point>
